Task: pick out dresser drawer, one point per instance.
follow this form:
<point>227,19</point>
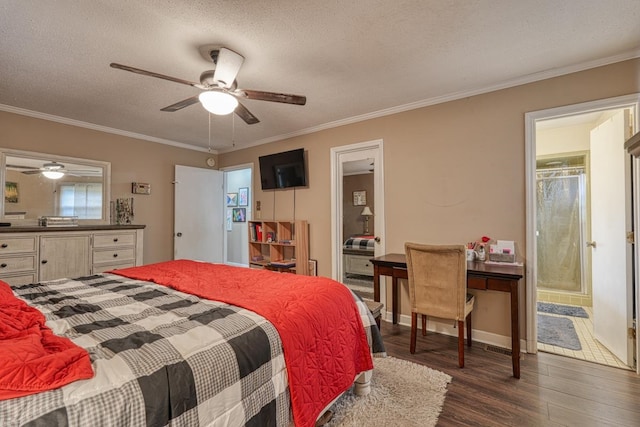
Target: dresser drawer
<point>111,240</point>
<point>358,265</point>
<point>19,279</point>
<point>17,264</point>
<point>16,245</point>
<point>114,256</point>
<point>97,269</point>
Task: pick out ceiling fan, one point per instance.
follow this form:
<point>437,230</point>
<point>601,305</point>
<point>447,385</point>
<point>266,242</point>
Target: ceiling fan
<point>220,89</point>
<point>52,170</point>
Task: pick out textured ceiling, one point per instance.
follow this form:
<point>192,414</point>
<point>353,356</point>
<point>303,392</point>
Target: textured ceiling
<point>352,59</point>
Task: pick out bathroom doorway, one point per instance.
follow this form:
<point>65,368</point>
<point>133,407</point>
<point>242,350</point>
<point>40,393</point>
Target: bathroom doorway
<point>574,301</point>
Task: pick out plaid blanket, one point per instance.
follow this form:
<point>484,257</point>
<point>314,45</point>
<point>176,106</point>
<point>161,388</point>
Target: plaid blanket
<point>360,243</point>
<point>161,357</point>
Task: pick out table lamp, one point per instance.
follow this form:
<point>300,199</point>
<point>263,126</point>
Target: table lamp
<point>366,213</point>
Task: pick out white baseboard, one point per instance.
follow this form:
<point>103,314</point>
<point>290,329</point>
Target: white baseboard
<point>447,328</point>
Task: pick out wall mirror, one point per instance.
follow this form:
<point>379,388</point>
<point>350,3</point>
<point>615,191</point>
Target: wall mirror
<point>37,185</point>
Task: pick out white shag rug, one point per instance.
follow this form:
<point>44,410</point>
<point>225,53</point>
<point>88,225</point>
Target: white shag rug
<point>403,394</point>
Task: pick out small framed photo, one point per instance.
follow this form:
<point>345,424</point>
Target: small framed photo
<point>359,198</point>
<point>313,267</point>
<point>11,192</point>
<point>232,199</point>
<point>243,196</point>
<point>239,214</point>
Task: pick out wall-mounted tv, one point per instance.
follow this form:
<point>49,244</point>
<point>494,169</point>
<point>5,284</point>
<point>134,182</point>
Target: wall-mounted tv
<point>283,170</point>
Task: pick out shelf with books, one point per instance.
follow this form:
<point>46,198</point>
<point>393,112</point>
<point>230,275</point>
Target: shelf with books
<point>273,241</point>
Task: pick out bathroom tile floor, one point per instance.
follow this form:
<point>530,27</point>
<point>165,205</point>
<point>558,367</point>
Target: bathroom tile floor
<point>592,350</point>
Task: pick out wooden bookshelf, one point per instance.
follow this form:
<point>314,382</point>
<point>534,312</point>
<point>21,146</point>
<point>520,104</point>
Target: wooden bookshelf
<point>273,240</point>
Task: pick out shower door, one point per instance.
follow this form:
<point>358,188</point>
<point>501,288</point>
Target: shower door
<point>561,229</point>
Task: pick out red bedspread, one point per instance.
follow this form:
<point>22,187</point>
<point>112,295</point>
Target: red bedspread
<point>324,342</point>
<point>32,358</point>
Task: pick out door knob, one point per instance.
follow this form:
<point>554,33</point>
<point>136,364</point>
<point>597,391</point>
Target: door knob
<point>179,234</point>
<point>592,244</point>
<point>377,239</point>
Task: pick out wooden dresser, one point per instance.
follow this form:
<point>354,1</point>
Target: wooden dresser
<point>33,254</point>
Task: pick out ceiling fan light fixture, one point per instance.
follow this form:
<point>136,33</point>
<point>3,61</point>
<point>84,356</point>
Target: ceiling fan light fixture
<point>53,174</point>
<point>220,103</point>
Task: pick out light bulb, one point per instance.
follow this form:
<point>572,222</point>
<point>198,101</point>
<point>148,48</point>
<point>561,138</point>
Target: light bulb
<point>53,174</point>
<point>216,102</point>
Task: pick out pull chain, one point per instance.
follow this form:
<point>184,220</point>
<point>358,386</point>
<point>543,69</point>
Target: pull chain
<point>209,148</point>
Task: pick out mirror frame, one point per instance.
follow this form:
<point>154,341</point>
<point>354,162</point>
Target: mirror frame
<point>106,183</point>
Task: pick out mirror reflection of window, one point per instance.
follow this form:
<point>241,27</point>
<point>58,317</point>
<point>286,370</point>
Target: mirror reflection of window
<point>81,200</point>
<point>82,190</point>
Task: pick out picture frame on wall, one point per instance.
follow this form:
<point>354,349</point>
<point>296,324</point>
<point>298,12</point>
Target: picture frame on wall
<point>243,196</point>
<point>359,198</point>
<point>232,199</point>
<point>11,192</point>
<point>239,214</point>
<point>313,267</point>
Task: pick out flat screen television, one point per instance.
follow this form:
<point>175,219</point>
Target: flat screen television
<point>283,170</point>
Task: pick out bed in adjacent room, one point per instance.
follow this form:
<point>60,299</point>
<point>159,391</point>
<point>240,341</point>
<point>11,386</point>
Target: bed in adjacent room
<point>357,251</point>
<point>182,343</point>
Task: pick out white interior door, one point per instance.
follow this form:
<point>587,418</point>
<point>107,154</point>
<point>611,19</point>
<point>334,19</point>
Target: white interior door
<point>198,214</point>
<point>610,221</point>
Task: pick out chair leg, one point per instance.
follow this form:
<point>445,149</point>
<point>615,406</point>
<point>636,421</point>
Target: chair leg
<point>414,330</point>
<point>461,343</point>
<point>424,325</point>
<point>468,322</point>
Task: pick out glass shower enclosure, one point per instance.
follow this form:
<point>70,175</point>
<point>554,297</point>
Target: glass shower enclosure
<point>561,229</point>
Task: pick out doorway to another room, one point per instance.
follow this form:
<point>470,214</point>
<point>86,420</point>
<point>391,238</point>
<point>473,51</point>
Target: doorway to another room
<point>358,226</point>
<point>238,210</point>
<point>357,209</point>
<point>580,196</point>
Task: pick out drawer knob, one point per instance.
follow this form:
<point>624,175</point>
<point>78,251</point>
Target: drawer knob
<point>115,255</point>
<point>44,261</point>
<point>3,265</point>
<point>4,245</point>
<point>115,239</point>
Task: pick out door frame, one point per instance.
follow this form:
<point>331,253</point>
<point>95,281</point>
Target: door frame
<point>338,157</point>
<point>627,101</point>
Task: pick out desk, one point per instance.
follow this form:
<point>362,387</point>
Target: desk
<point>480,275</point>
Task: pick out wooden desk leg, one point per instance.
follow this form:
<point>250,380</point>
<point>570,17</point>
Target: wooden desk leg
<point>515,330</point>
<point>376,283</point>
<point>395,296</point>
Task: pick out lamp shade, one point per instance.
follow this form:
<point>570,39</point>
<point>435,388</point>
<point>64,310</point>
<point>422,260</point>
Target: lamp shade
<point>219,103</point>
<point>53,174</point>
<point>366,211</point>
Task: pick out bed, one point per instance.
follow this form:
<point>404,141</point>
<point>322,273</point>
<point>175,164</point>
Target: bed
<point>162,356</point>
<point>357,251</point>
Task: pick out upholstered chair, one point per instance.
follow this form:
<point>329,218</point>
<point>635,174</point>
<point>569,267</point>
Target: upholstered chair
<point>438,288</point>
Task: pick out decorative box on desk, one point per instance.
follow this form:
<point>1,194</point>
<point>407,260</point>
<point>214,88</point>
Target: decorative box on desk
<point>498,257</point>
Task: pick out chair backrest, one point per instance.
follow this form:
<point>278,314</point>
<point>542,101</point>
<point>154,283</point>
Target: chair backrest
<point>437,279</point>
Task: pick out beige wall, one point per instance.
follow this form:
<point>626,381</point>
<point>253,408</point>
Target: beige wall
<point>453,171</point>
<point>132,160</point>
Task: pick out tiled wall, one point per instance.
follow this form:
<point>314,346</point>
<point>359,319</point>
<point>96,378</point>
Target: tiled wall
<point>565,298</point>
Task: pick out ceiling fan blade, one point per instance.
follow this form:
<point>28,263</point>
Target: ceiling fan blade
<point>246,115</point>
<point>32,172</point>
<point>19,167</point>
<point>228,65</point>
<point>272,96</point>
<point>180,105</point>
<point>152,74</point>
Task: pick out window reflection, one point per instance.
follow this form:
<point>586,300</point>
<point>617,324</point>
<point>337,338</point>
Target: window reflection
<point>81,191</point>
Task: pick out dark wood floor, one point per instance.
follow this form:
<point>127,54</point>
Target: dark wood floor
<point>552,391</point>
